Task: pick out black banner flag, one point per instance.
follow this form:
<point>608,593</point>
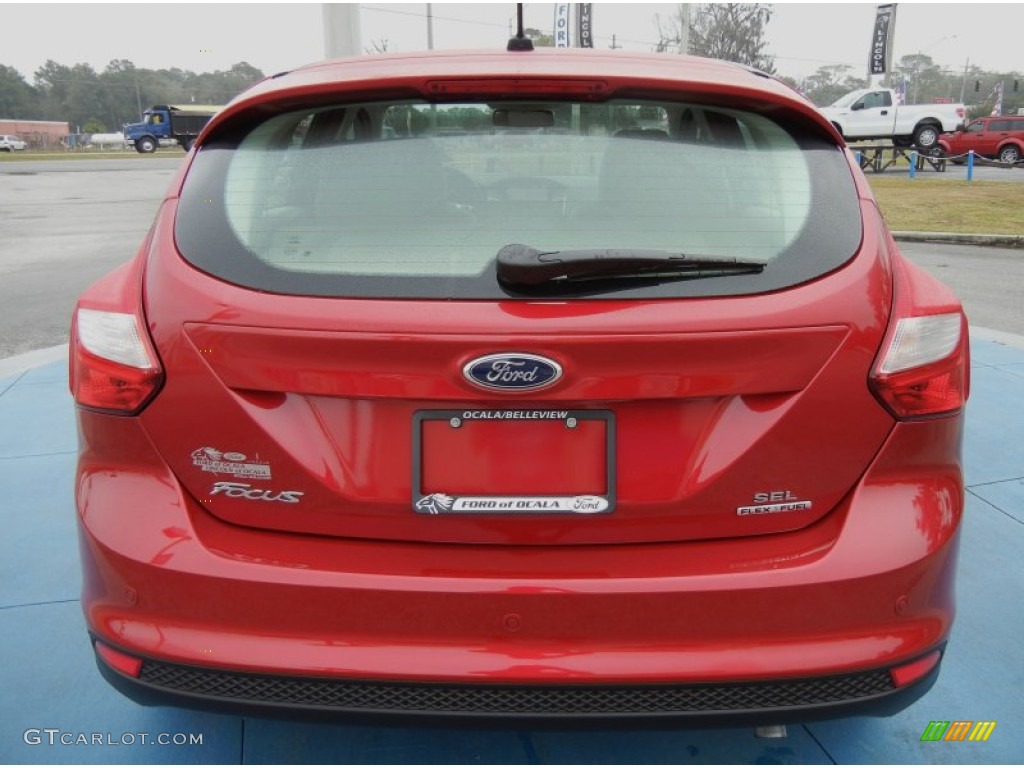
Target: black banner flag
<point>884,20</point>
<point>584,20</point>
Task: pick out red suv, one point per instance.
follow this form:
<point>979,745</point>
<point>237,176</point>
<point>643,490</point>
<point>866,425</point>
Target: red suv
<point>999,138</point>
<point>520,385</point>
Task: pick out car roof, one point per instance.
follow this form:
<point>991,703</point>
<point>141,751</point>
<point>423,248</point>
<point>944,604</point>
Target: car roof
<point>621,72</point>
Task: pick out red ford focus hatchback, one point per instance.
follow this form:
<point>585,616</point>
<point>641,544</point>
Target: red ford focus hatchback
<point>523,384</point>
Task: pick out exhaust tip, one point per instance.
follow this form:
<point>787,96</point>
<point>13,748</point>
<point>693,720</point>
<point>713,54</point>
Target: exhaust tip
<point>770,732</point>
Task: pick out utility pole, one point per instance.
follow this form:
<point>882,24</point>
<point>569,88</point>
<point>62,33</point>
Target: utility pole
<point>430,47</point>
<point>963,85</point>
<point>342,35</point>
<point>684,28</point>
<point>613,45</point>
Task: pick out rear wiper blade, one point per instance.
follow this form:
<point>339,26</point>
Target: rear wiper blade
<point>522,266</point>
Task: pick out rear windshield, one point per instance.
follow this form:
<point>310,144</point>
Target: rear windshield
<point>414,200</point>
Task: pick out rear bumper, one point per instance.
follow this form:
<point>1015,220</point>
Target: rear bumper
<point>764,702</point>
<point>866,589</point>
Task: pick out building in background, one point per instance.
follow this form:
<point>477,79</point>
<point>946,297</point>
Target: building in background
<point>39,134</point>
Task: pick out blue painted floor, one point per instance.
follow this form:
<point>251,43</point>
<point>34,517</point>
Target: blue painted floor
<point>49,680</point>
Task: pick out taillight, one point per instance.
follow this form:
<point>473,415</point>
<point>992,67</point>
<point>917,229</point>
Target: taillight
<point>114,367</point>
<point>922,369</point>
<point>910,673</point>
<point>122,662</point>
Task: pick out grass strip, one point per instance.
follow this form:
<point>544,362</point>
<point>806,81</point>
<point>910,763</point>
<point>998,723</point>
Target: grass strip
<point>933,205</point>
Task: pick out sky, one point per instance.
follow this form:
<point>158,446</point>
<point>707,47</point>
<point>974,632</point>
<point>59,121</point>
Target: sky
<point>276,37</point>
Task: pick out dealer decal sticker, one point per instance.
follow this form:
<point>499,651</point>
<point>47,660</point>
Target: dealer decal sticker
<point>230,463</point>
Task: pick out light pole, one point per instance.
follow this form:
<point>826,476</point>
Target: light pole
<point>920,54</point>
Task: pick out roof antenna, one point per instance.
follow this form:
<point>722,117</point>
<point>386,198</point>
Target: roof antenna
<point>520,42</point>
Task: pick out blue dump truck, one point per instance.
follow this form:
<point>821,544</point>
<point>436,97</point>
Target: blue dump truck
<point>169,123</point>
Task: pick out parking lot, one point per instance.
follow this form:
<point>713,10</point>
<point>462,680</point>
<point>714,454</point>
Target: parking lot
<point>66,224</point>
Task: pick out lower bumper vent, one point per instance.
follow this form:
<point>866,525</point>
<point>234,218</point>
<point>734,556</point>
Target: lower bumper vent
<point>554,700</point>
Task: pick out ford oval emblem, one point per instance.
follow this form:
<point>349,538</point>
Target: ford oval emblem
<point>512,372</point>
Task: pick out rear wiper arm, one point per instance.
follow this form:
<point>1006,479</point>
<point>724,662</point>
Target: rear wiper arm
<point>523,266</point>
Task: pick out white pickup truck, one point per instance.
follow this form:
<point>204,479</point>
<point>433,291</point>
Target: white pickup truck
<point>872,113</point>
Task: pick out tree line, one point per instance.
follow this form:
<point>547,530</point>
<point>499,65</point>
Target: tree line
<point>97,102</point>
<point>100,102</point>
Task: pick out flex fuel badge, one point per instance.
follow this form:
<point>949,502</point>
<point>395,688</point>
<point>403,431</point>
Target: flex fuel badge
<point>774,502</point>
<point>230,463</point>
